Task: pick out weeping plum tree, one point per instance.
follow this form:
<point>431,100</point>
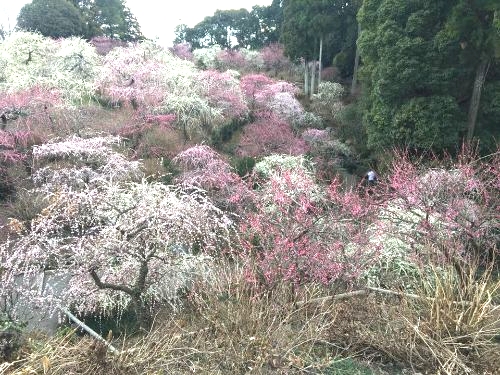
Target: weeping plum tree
<point>203,167</point>
<point>66,66</point>
<point>119,244</point>
<point>270,135</point>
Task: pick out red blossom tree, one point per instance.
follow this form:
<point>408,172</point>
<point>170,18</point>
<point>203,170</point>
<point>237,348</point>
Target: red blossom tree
<point>268,135</point>
<point>300,233</point>
<point>450,212</point>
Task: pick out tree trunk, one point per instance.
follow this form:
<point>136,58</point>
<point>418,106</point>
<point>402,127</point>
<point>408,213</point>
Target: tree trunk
<point>354,83</point>
<point>306,78</point>
<point>320,59</point>
<point>481,72</point>
<point>313,76</point>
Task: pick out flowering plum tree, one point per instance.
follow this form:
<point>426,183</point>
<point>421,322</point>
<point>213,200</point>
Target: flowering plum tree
<point>450,212</point>
<point>117,244</point>
<point>140,128</point>
<point>274,59</point>
<point>300,231</point>
<point>75,163</point>
<point>252,85</point>
<point>270,135</point>
<point>34,102</point>
<point>265,94</point>
<point>254,62</point>
<point>104,44</point>
<point>230,59</point>
<point>328,100</point>
<point>135,74</point>
<point>182,51</point>
<point>203,167</point>
<point>223,92</point>
<point>206,58</point>
<point>67,65</point>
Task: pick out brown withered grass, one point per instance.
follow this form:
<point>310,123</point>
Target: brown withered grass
<point>229,326</point>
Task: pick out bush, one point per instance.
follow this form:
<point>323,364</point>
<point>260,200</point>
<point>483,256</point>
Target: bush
<point>243,165</point>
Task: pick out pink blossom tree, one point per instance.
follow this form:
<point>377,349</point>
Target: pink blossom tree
<point>33,104</point>
<point>223,92</point>
<point>182,51</point>
<point>230,59</point>
<point>270,134</point>
<point>301,231</point>
<point>448,212</point>
<point>203,167</point>
<point>264,94</point>
<point>252,85</point>
<point>274,59</point>
<point>104,44</point>
<point>138,130</point>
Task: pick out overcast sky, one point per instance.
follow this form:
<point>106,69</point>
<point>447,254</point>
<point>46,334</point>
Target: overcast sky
<point>158,18</point>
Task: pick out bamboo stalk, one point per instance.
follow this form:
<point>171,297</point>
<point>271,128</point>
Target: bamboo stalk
<point>89,330</point>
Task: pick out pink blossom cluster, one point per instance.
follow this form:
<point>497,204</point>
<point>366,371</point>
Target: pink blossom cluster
<point>274,58</point>
<point>203,167</point>
<point>223,92</point>
<point>270,134</point>
<point>231,59</point>
<point>182,51</point>
<point>301,234</point>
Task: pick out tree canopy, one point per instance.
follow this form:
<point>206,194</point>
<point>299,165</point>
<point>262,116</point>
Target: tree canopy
<point>54,18</point>
<point>422,65</point>
<point>87,18</point>
<point>236,27</point>
<point>306,22</point>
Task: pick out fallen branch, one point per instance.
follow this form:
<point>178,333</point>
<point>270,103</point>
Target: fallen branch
<point>369,289</point>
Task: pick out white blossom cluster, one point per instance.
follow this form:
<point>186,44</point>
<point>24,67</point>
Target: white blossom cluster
<point>66,65</point>
<point>117,231</point>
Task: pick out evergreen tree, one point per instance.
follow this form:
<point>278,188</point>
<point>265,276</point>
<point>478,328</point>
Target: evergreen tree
<point>420,64</point>
<point>236,27</point>
<point>53,18</point>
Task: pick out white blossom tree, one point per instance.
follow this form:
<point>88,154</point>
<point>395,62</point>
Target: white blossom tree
<point>116,243</point>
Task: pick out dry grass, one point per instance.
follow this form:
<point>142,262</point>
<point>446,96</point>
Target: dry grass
<point>229,326</point>
<point>449,327</point>
<point>456,322</point>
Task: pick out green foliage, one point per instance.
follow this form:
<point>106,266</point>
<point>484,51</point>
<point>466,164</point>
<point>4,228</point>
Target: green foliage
<point>222,135</point>
<point>10,337</point>
<point>350,126</point>
<point>171,171</point>
<point>419,66</point>
<point>253,29</point>
<point>305,22</point>
<point>112,18</point>
<point>347,366</point>
<point>243,165</point>
<point>54,18</point>
<point>85,18</point>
